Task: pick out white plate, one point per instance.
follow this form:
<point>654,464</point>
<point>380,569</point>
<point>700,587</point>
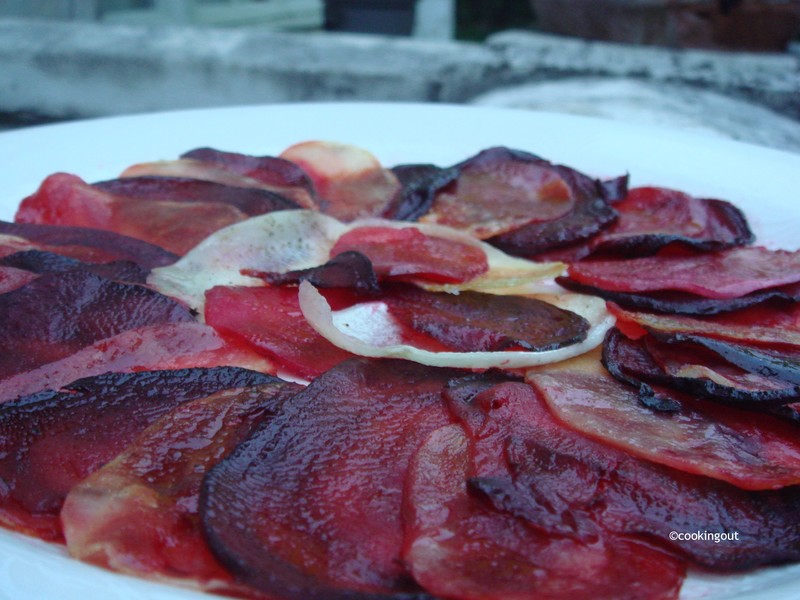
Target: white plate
<point>763,182</point>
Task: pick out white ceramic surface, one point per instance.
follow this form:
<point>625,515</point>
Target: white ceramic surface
<point>764,183</point>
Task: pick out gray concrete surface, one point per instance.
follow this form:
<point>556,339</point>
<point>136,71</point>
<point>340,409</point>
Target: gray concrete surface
<point>79,69</point>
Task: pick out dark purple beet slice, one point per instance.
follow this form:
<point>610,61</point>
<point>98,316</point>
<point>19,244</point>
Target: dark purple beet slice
<point>49,441</point>
<point>419,186</point>
<point>351,270</point>
<point>530,466</point>
<point>40,261</point>
<point>90,245</point>
<point>591,214</point>
<point>59,313</point>
<point>651,218</point>
<point>251,201</point>
<point>479,322</point>
<point>632,361</point>
<point>310,505</point>
<point>278,173</point>
<point>684,303</point>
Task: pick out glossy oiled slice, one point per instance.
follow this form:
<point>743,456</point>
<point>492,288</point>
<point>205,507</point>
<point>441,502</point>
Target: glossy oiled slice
<point>310,505</point>
<point>458,546</point>
<point>51,440</point>
<point>529,465</point>
<point>269,321</point>
<point>60,313</point>
<point>138,513</point>
<point>82,243</point>
<point>749,450</point>
<point>720,275</point>
<point>154,347</point>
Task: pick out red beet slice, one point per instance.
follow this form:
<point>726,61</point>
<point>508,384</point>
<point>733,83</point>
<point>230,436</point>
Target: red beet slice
<point>651,218</point>
<point>277,174</point>
<point>155,347</point>
<point>271,321</point>
<point>64,199</point>
<point>399,252</point>
<point>138,513</point>
<point>52,440</point>
<point>60,313</point>
<point>89,245</point>
<point>560,481</point>
<point>729,274</point>
<point>748,450</point>
<point>250,201</point>
<point>499,190</point>
<point>590,214</point>
<point>458,547</point>
<point>310,505</point>
<point>757,325</point>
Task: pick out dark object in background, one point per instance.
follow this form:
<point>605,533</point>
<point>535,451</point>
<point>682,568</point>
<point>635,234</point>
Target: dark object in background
<point>754,25</point>
<point>391,17</point>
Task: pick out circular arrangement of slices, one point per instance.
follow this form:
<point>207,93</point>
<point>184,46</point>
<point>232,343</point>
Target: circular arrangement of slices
<point>311,376</point>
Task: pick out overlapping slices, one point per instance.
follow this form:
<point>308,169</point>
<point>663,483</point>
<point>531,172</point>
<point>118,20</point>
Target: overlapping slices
<point>526,464</point>
<point>174,214</point>
<point>138,514</point>
<point>749,450</point>
<point>520,202</point>
<point>281,247</point>
<point>650,219</point>
<point>52,440</point>
<point>81,243</point>
<point>59,313</point>
<point>691,284</point>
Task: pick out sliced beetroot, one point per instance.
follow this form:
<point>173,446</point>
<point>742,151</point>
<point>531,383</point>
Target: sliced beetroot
<point>154,347</point>
<point>52,440</point>
<point>12,278</point>
<point>277,174</point>
<point>761,325</point>
<point>65,199</point>
<point>349,270</point>
<point>499,190</point>
<point>746,449</point>
<point>350,181</point>
<point>89,245</point>
<point>590,214</point>
<point>651,218</point>
<point>419,185</point>
<point>138,513</point>
<point>782,364</point>
<point>40,261</point>
<point>59,313</point>
<point>684,303</point>
<point>529,465</point>
<point>310,505</point>
<point>250,201</point>
<point>479,322</point>
<point>408,252</point>
<point>692,369</point>
<point>270,320</point>
<point>721,275</point>
<point>458,547</point>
